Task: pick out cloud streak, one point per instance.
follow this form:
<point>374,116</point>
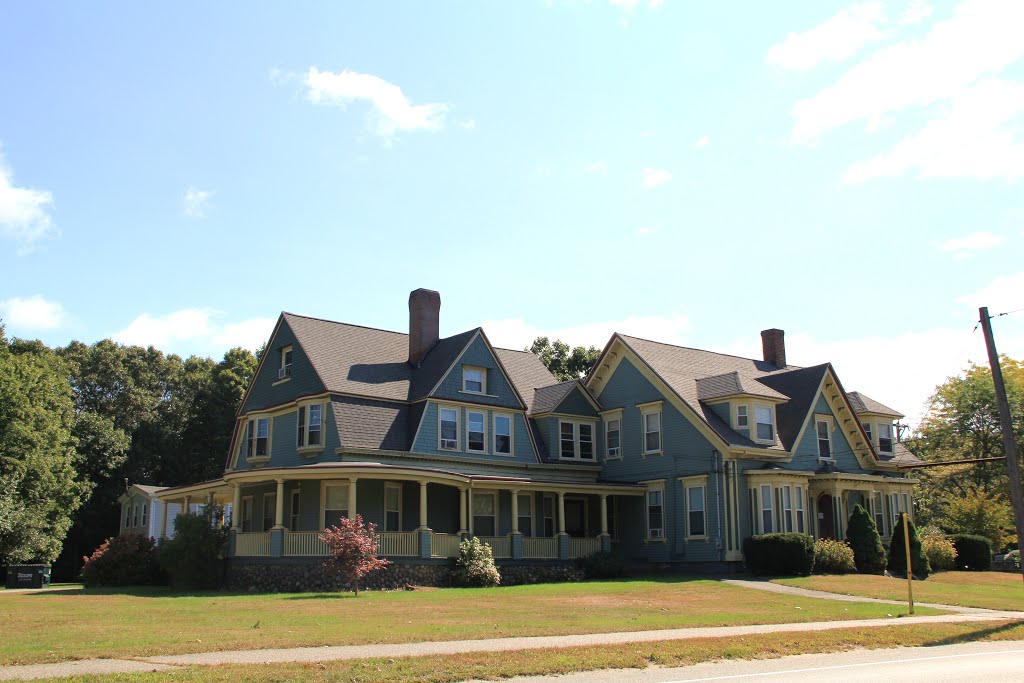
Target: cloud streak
<point>24,213</point>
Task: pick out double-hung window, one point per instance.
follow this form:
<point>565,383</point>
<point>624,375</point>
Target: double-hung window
<point>787,507</point>
<point>742,418</point>
<point>473,380</point>
<point>652,431</point>
<point>878,512</point>
<point>286,363</point>
<point>894,507</point>
<point>586,450</point>
<point>613,439</point>
<point>476,437</point>
<point>767,510</point>
<point>449,428</point>
<point>258,437</point>
<point>656,514</point>
<point>524,505</point>
<point>696,522</point>
<point>798,494</point>
<point>765,426</point>
<point>576,440</point>
<point>145,507</point>
<point>884,437</point>
<point>485,507</point>
<point>310,425</point>
<point>502,434</point>
<point>392,507</point>
<point>824,430</point>
<point>567,439</point>
<point>867,428</point>
<point>335,497</point>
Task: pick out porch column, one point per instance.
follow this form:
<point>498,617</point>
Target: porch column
<point>463,529</point>
<point>561,512</point>
<point>209,499</point>
<point>423,507</point>
<point>515,511</point>
<point>187,504</point>
<point>236,508</point>
<point>469,515</point>
<point>163,523</point>
<point>279,513</point>
<point>352,498</point>
<point>604,514</point>
<point>515,538</point>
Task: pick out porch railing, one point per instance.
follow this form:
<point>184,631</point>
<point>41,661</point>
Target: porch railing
<point>252,544</point>
<point>540,548</point>
<point>501,546</point>
<point>581,547</point>
<point>399,543</point>
<point>305,544</point>
<point>444,545</point>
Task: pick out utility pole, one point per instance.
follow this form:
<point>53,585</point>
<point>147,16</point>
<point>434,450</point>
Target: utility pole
<point>1006,427</point>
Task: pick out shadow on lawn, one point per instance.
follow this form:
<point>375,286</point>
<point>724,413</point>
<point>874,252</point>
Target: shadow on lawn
<point>977,634</point>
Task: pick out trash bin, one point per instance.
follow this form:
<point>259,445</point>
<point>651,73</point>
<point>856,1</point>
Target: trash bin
<point>28,576</point>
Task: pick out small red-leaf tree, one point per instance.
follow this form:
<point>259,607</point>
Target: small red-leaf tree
<point>353,550</point>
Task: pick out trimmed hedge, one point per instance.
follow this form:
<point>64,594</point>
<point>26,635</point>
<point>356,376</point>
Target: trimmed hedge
<point>602,566</point>
<point>898,551</point>
<point>779,554</point>
<point>973,553</point>
<point>940,551</point>
<point>833,557</point>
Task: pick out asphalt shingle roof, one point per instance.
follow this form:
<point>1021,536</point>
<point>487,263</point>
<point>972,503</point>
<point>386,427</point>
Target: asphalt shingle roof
<point>546,399</point>
<point>526,372</point>
<point>731,384</point>
<point>866,404</point>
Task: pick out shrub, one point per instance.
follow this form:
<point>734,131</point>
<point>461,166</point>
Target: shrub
<point>1014,556</point>
<point>898,551</point>
<point>602,566</point>
<point>779,554</point>
<point>973,553</point>
<point>862,535</point>
<point>979,513</point>
<point>195,557</point>
<point>353,547</point>
<point>833,557</point>
<point>475,565</point>
<point>940,551</point>
<point>123,561</point>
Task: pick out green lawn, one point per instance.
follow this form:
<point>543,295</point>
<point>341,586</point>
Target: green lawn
<point>499,665</point>
<point>78,623</point>
<point>991,590</point>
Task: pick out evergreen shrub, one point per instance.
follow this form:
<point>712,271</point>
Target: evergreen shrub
<point>785,554</point>
<point>973,553</point>
<point>862,535</point>
<point>898,551</point>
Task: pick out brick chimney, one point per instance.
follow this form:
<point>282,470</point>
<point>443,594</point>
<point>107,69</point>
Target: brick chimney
<point>424,323</point>
<point>773,344</point>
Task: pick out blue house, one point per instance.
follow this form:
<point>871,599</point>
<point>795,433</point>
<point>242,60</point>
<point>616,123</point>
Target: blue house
<point>667,455</point>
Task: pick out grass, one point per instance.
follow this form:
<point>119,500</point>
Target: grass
<point>80,623</point>
<point>498,665</point>
<point>990,590</point>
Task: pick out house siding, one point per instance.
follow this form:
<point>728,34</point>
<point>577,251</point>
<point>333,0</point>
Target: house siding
<point>284,451</point>
<point>575,403</point>
<point>426,440</point>
<point>805,454</point>
<point>265,392</point>
<point>498,391</point>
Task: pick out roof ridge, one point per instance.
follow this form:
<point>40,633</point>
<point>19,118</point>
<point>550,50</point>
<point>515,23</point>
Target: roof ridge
<point>693,348</point>
<point>341,322</point>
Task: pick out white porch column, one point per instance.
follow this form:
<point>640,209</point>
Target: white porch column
<point>423,507</point>
<point>462,511</point>
<point>515,511</point>
<point>279,513</point>
<point>561,512</point>
<point>187,504</point>
<point>469,515</point>
<point>352,498</point>
<point>163,521</point>
<point>236,508</point>
<point>604,514</point>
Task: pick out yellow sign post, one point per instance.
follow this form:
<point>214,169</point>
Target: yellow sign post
<point>910,575</point>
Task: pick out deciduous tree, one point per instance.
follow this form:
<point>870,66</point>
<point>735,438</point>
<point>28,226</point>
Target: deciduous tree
<point>564,362</point>
<point>353,546</point>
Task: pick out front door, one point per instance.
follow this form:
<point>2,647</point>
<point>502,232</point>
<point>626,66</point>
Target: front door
<point>826,518</point>
<point>575,517</point>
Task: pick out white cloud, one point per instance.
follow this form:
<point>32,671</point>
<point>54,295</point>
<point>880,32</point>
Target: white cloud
<point>653,177</point>
<point>196,201</point>
<point>645,231</point>
<point>31,314</point>
<point>1005,293</point>
<point>392,112</point>
<point>516,333</point>
<point>194,331</point>
<point>24,213</point>
<point>974,137</point>
<point>598,168</point>
<point>834,40</point>
<point>961,247</point>
<point>916,12</point>
<point>981,38</point>
<point>703,142</point>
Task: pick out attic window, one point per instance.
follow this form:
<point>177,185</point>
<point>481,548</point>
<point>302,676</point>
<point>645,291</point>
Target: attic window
<point>286,363</point>
<point>765,423</point>
<point>742,419</point>
<point>884,437</point>
<point>473,380</point>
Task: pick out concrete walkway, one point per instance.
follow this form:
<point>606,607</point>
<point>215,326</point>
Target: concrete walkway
<point>767,586</point>
<point>345,652</point>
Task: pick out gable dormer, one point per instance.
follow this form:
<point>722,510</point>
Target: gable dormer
<point>476,376</point>
<point>284,372</point>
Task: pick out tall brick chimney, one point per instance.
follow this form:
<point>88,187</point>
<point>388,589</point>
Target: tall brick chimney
<point>424,323</point>
<point>773,344</point>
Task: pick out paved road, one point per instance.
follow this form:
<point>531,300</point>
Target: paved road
<point>999,661</point>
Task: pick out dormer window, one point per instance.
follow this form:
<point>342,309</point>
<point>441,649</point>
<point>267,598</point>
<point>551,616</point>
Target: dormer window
<point>473,380</point>
<point>765,429</point>
<point>742,418</point>
<point>884,437</point>
<point>285,370</point>
<point>867,428</point>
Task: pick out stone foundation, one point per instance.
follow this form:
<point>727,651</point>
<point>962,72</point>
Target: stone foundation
<point>296,577</point>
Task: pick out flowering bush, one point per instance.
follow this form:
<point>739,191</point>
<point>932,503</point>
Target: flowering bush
<point>475,566</point>
<point>123,561</point>
<point>940,551</point>
<point>353,546</point>
<point>833,557</point>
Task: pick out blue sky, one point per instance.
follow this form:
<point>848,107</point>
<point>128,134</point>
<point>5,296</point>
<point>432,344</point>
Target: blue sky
<point>687,172</point>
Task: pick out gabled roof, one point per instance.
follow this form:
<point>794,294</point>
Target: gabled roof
<point>801,386</point>
<point>526,373</point>
<point>733,384</point>
<point>546,399</point>
<point>866,404</point>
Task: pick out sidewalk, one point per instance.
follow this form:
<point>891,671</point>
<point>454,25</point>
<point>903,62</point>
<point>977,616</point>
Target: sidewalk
<point>343,652</point>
